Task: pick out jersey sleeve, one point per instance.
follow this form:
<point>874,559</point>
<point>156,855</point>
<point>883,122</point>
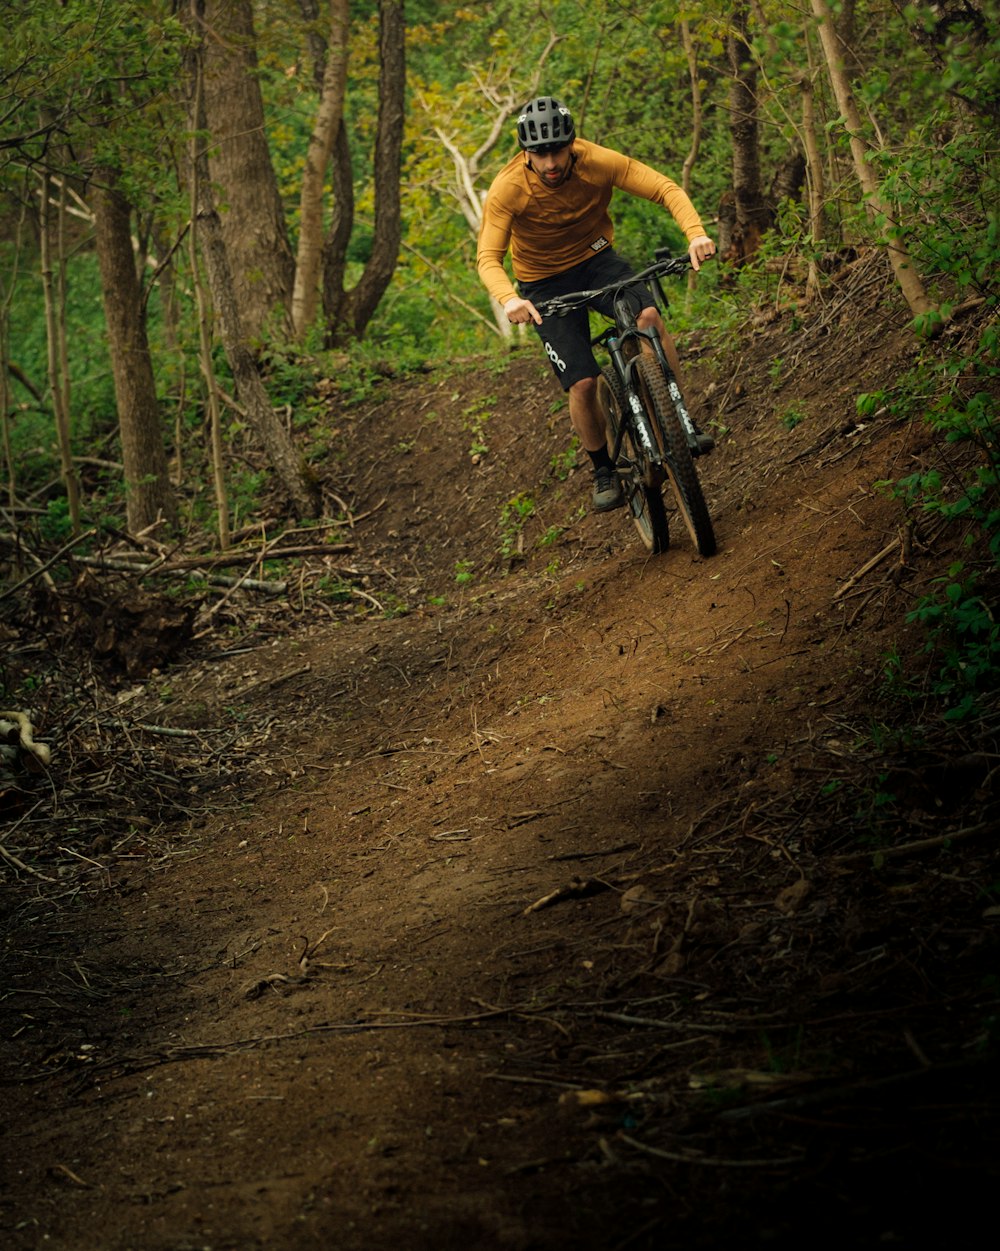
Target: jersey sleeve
<point>494,240</point>
<point>643,181</point>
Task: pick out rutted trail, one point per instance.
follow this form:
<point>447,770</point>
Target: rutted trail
<point>395,997</point>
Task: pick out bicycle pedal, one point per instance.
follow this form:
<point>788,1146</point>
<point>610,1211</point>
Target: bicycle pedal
<point>705,443</point>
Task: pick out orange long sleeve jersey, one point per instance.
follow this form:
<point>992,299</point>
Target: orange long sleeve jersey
<point>550,229</point>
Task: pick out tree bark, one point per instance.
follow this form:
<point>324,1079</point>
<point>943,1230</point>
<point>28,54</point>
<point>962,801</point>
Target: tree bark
<point>148,493</point>
<point>752,215</point>
<point>814,170</point>
<point>349,312</point>
<point>251,215</point>
<point>5,401</point>
<point>203,306</point>
<point>696,106</point>
<point>250,390</point>
<point>329,121</point>
<point>55,336</point>
<point>906,274</point>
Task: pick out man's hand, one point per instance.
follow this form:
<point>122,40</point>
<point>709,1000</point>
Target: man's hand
<point>520,311</point>
<point>699,250</point>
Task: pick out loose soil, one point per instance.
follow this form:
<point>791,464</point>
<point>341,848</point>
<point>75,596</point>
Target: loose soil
<point>535,893</point>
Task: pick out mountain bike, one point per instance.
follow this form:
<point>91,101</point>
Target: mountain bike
<point>651,437</point>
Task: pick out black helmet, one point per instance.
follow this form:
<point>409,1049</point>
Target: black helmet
<point>544,122</point>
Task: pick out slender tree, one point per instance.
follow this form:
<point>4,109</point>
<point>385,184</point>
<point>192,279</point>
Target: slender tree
<point>329,121</point>
<point>752,215</point>
<point>879,208</point>
<point>697,113</point>
<point>348,312</point>
<point>148,494</point>
<point>55,312</point>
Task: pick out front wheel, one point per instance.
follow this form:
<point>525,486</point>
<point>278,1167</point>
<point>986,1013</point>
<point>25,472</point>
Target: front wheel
<point>641,485</point>
<point>676,456</point>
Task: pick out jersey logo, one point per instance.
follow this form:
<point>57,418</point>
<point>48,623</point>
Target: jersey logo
<point>599,243</point>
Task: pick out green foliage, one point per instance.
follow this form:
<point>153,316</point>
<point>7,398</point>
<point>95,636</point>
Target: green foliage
<point>474,420</point>
<point>513,515</point>
<point>563,463</point>
<point>964,638</point>
<point>55,525</point>
<point>958,613</point>
<point>334,588</point>
<point>792,417</point>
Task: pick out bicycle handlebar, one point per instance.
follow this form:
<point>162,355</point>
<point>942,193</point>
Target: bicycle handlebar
<point>560,305</point>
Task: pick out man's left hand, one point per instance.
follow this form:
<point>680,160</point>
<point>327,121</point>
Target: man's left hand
<point>699,250</point>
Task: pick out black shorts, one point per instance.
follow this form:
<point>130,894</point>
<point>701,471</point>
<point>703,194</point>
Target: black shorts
<point>567,339</point>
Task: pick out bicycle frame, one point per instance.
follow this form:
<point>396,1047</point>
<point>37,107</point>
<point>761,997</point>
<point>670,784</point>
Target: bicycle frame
<point>648,418</point>
<point>624,332</point>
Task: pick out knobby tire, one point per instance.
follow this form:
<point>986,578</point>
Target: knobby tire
<point>640,483</point>
<point>677,456</point>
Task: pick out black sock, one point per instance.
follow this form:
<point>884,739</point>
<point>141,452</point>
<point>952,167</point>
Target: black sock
<point>601,459</point>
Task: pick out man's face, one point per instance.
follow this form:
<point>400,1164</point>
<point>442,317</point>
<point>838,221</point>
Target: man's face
<point>552,164</point>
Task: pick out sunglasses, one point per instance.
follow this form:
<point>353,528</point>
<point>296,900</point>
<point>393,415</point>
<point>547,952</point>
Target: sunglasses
<point>548,149</point>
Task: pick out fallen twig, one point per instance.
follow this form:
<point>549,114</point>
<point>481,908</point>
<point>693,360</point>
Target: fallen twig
<point>920,844</point>
<point>867,567</point>
<point>689,1157</point>
<point>577,888</point>
<point>42,569</point>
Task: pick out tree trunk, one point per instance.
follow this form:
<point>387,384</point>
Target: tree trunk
<point>250,390</point>
<point>814,174</point>
<point>696,107</point>
<point>329,120</point>
<point>55,312</point>
<point>906,275</point>
<point>5,404</point>
<point>251,215</point>
<point>148,493</point>
<point>349,313</point>
<point>752,216</point>
<point>203,306</point>
<point>334,258</point>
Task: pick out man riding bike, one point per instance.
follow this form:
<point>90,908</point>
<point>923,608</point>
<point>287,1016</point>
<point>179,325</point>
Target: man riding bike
<point>549,205</point>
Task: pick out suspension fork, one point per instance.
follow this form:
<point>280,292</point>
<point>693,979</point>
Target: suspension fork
<point>622,317</point>
<point>625,369</point>
<point>675,394</point>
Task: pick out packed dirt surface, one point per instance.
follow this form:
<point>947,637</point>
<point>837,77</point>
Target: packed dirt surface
<point>542,894</point>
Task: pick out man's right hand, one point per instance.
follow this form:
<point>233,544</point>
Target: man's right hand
<point>520,311</point>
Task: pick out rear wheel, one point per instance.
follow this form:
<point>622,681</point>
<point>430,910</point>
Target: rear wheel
<point>643,493</point>
<point>677,457</point>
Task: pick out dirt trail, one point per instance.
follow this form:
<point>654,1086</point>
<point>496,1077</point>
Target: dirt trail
<point>329,1017</point>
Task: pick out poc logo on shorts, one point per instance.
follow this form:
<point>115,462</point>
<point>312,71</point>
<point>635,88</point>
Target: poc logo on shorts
<point>555,358</point>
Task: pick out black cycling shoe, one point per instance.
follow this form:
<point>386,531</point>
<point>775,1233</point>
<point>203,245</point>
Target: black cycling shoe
<point>607,490</point>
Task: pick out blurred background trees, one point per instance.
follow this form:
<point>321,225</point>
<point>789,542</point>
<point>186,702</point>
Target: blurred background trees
<point>331,158</point>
